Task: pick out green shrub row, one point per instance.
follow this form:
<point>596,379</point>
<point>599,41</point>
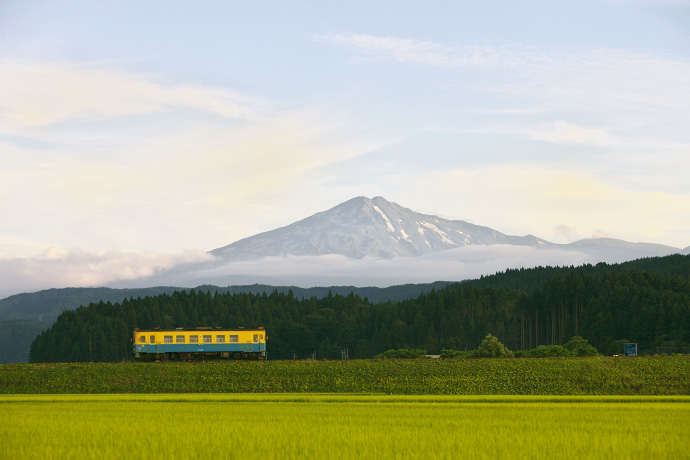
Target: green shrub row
<point>500,376</point>
<point>492,348</point>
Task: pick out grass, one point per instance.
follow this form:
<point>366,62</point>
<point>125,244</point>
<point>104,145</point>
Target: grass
<point>518,376</point>
<point>355,426</point>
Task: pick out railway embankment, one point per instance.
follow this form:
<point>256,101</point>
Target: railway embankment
<point>656,375</point>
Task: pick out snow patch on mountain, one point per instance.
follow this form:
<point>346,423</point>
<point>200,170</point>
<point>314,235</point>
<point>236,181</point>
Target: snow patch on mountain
<point>388,222</point>
<point>444,236</point>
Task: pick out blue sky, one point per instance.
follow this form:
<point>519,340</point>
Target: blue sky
<point>144,133</point>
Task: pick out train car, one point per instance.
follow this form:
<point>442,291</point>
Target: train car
<point>199,343</point>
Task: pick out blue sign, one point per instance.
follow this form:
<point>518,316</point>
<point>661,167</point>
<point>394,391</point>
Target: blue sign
<point>630,349</point>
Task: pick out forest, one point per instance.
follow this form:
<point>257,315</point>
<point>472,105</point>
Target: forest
<point>647,303</point>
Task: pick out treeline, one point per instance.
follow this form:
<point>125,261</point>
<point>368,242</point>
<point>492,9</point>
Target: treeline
<point>530,279</point>
<point>651,309</point>
<point>45,306</point>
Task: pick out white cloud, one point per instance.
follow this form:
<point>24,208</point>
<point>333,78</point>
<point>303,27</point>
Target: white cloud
<point>57,268</point>
<point>625,94</point>
<point>174,179</point>
<point>614,113</point>
<point>570,233</point>
<point>39,93</point>
<point>430,53</point>
<point>336,270</point>
<point>571,133</point>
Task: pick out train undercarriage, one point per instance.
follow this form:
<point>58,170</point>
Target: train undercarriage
<point>200,356</point>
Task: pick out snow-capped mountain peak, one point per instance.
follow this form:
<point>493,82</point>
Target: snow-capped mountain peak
<point>373,227</point>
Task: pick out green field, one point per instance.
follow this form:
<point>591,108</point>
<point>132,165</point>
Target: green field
<point>342,426</point>
<point>519,376</point>
<point>380,409</point>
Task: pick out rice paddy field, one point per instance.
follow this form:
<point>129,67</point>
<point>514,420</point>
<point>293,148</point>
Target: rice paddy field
<point>380,409</point>
<point>346,426</point>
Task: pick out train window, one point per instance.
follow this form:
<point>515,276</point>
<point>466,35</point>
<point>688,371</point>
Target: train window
<point>234,339</point>
<point>207,339</point>
<point>261,336</point>
<point>220,339</point>
<point>152,339</point>
<point>256,337</point>
<point>193,339</point>
<point>179,339</point>
<point>167,339</point>
<point>142,338</point>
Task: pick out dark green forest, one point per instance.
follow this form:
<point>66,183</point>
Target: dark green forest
<point>648,304</point>
<point>24,316</point>
<point>530,279</point>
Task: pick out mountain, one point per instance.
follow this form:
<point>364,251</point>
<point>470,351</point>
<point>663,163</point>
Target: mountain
<point>373,242</point>
<point>46,305</point>
<point>376,228</point>
<point>380,229</point>
<point>16,337</point>
<point>613,250</point>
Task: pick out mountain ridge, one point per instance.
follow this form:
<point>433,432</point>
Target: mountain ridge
<point>363,227</point>
<point>375,227</point>
<point>373,242</point>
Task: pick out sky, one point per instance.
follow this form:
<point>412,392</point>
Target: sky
<point>135,136</point>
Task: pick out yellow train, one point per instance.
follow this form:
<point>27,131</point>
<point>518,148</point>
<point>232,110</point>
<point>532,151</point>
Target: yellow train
<point>199,343</point>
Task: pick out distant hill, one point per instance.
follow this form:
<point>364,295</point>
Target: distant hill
<point>24,316</point>
<point>643,302</point>
<point>16,337</point>
<point>45,306</point>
